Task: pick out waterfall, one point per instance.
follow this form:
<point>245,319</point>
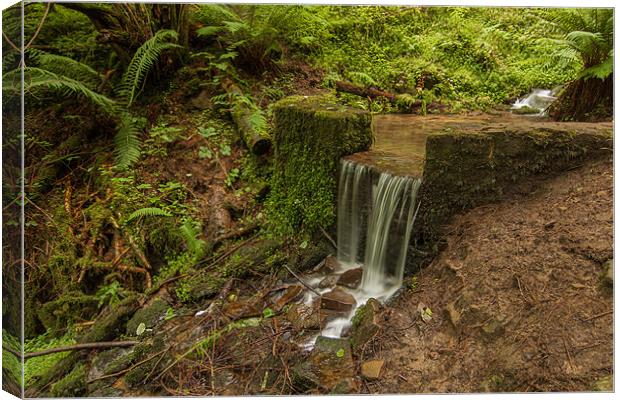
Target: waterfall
<point>383,220</point>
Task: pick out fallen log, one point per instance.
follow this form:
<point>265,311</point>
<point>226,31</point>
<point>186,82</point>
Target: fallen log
<point>79,346</point>
<point>372,93</point>
<point>362,91</point>
<point>249,120</point>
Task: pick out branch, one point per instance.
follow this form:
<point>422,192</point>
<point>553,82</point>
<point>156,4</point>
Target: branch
<point>301,281</point>
<point>81,346</point>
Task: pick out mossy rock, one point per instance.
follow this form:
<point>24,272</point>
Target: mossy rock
<point>311,134</point>
<point>150,315</point>
<point>365,324</point>
<point>72,385</point>
<point>70,307</point>
<point>525,110</point>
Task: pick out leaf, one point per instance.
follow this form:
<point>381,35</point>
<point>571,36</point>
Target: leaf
<point>340,353</point>
<point>304,244</point>
<point>148,212</point>
<point>169,313</point>
<point>268,312</point>
<point>141,328</point>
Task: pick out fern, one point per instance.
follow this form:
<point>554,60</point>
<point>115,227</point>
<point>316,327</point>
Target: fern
<point>37,79</point>
<point>127,141</point>
<point>148,212</point>
<point>65,66</point>
<point>143,60</point>
<point>190,233</point>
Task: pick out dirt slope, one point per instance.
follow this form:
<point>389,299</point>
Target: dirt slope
<point>516,296</point>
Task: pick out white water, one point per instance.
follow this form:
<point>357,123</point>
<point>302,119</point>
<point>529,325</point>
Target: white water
<point>539,100</point>
<point>389,215</point>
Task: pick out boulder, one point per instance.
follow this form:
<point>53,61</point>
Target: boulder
<point>337,300</point>
<point>329,366</point>
<point>365,324</point>
<point>329,281</point>
<point>351,278</point>
<point>150,315</point>
<point>291,293</point>
<point>372,369</point>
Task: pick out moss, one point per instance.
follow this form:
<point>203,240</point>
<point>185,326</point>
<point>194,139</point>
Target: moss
<point>70,307</point>
<point>148,315</point>
<point>310,136</point>
<point>72,385</point>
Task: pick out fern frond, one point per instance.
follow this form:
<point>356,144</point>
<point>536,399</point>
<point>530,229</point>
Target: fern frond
<point>209,30</point>
<point>600,71</point>
<point>127,140</point>
<point>37,79</point>
<point>65,66</point>
<point>190,233</point>
<point>143,60</point>
<point>148,212</point>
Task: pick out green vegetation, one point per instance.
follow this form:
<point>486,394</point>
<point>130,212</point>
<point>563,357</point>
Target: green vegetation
<point>142,171</point>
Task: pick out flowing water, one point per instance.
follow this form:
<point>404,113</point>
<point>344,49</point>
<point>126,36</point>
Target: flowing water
<point>539,99</point>
<point>375,219</point>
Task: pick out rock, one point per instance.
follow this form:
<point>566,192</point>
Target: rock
<point>337,300</point>
<point>291,293</point>
<point>329,281</point>
<point>303,317</point>
<point>332,263</point>
<point>70,307</point>
<point>351,278</point>
<point>72,385</point>
<point>241,309</point>
<point>329,366</point>
<point>372,369</point>
<point>365,324</point>
<point>150,315</point>
<point>604,384</point>
<point>346,386</point>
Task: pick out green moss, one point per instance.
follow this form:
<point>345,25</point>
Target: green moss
<point>71,306</point>
<point>148,315</point>
<point>72,385</point>
<point>310,136</point>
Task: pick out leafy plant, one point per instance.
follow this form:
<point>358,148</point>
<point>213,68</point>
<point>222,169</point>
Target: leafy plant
<point>110,294</point>
<point>143,61</point>
<point>148,212</point>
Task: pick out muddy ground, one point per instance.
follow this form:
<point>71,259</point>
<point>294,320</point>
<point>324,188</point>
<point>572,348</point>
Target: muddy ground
<point>518,298</point>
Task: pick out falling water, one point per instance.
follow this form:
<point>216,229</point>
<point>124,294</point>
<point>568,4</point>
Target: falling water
<point>384,224</point>
<point>539,99</point>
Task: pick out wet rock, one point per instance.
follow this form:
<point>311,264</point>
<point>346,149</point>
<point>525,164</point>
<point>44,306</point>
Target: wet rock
<point>291,294</point>
<point>150,315</point>
<point>109,361</point>
<point>337,300</point>
<point>303,317</point>
<point>346,386</point>
<point>332,263</point>
<point>329,281</point>
<point>241,309</point>
<point>365,324</point>
<point>351,278</point>
<point>329,366</point>
<point>372,369</point>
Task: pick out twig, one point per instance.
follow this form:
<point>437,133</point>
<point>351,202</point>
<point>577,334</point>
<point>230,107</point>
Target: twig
<point>229,252</point>
<point>301,281</point>
<point>328,237</point>
<point>80,346</point>
<point>129,368</point>
<point>36,33</point>
<point>598,315</point>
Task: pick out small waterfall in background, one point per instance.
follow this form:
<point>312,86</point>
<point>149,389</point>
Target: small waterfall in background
<point>539,99</point>
<point>349,213</point>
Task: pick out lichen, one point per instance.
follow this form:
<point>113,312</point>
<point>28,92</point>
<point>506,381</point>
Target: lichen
<point>310,136</point>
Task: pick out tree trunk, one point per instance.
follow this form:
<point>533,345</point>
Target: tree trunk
<point>585,100</point>
<point>256,139</point>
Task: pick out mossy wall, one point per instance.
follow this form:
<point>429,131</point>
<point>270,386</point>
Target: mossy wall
<point>465,170</point>
<point>311,134</point>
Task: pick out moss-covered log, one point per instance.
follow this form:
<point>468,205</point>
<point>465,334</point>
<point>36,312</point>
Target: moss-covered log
<point>249,119</point>
<point>310,136</point>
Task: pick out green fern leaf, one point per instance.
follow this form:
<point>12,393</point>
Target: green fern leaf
<point>209,30</point>
<point>127,140</point>
<point>148,212</point>
<point>190,233</point>
<point>37,80</point>
<point>142,62</point>
<point>65,66</point>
